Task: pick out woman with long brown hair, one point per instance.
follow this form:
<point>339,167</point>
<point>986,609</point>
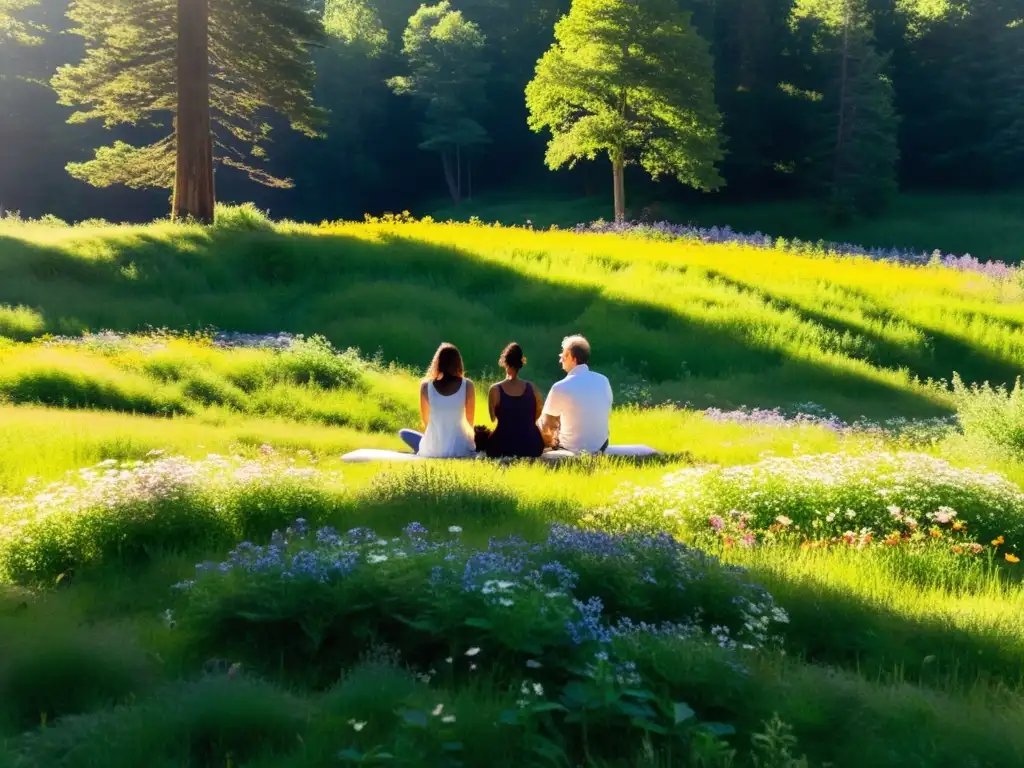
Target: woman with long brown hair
<point>447,406</point>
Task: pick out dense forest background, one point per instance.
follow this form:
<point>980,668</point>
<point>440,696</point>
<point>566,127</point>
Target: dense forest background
<point>942,79</point>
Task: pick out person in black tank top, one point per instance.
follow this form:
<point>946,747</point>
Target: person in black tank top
<point>516,405</point>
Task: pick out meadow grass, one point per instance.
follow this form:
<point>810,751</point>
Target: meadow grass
<point>985,226</point>
<point>713,325</point>
<point>125,461</point>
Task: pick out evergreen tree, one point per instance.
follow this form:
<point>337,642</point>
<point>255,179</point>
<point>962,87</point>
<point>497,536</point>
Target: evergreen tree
<point>448,74</point>
<point>214,66</point>
<point>856,152</point>
<point>632,79</point>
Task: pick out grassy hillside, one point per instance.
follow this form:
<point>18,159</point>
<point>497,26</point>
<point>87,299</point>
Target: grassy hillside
<point>720,325</point>
<point>774,590</point>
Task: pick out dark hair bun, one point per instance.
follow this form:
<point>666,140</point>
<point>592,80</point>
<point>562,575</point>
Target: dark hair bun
<point>512,357</point>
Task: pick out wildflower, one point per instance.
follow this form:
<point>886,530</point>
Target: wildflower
<point>783,521</point>
<point>375,558</point>
<point>944,515</point>
<point>533,664</point>
<point>728,541</point>
<point>749,539</point>
<point>716,522</point>
<point>449,719</point>
<point>997,541</point>
<point>957,549</point>
<point>1011,558</point>
<point>454,529</point>
<point>472,651</point>
<point>448,660</point>
<point>959,525</point>
<point>357,725</point>
<point>892,539</point>
<point>976,548</point>
<point>438,710</point>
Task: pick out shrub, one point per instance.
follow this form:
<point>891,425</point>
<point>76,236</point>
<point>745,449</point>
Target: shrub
<point>20,322</point>
<point>315,361</point>
<point>124,513</point>
<point>312,601</point>
<point>822,497</point>
<point>241,218</point>
<point>992,416</point>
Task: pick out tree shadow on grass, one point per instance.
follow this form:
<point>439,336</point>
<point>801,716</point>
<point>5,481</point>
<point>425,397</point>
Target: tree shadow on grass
<point>937,359</point>
<point>400,296</point>
<point>833,627</point>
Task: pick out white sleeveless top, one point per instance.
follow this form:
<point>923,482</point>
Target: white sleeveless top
<point>448,435</point>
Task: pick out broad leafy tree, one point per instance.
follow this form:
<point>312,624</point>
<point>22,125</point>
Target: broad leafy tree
<point>212,69</point>
<point>631,79</point>
<point>13,27</point>
<point>447,74</point>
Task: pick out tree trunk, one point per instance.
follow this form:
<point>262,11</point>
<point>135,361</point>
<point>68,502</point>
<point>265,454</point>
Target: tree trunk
<point>838,160</point>
<point>193,178</point>
<point>618,173</point>
<point>449,176</point>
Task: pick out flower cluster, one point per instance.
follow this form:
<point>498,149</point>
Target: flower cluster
<point>114,341</point>
<point>663,230</point>
<point>840,497</point>
<point>117,511</point>
<point>544,579</point>
<point>810,414</point>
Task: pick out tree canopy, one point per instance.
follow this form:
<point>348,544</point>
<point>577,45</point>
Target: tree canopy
<point>259,62</point>
<point>444,53</point>
<point>631,79</point>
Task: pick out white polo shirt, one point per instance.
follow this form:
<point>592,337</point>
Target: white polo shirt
<point>583,402</point>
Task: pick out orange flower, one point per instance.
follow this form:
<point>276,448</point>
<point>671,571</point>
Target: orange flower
<point>996,542</point>
<point>1011,558</point>
<point>957,549</point>
<point>936,533</point>
<point>892,539</point>
<point>728,541</point>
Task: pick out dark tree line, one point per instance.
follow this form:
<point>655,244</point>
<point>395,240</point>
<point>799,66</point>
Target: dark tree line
<point>843,100</point>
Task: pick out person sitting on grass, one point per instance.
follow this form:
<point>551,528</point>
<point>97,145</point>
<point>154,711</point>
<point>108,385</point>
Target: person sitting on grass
<point>515,404</point>
<point>447,406</point>
<point>575,417</point>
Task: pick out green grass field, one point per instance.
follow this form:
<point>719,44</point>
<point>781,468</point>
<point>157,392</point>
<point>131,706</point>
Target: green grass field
<point>985,226</point>
<point>772,592</point>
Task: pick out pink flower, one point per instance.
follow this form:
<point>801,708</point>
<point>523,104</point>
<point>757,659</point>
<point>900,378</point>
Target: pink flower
<point>716,522</point>
<point>749,539</point>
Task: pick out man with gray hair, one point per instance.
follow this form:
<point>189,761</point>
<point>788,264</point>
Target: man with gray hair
<point>576,414</point>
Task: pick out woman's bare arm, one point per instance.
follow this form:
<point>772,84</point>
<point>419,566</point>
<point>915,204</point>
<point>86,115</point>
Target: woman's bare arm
<point>424,404</point>
<point>493,398</point>
<point>470,402</point>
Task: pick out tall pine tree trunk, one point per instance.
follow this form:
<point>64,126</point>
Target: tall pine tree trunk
<point>193,178</point>
<point>619,176</point>
<point>839,159</point>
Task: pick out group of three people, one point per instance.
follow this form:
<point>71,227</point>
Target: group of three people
<point>574,417</point>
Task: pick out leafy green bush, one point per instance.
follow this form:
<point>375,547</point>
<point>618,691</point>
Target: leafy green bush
<point>825,496</point>
<point>242,218</point>
<point>127,513</point>
<point>993,416</point>
<point>309,604</point>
